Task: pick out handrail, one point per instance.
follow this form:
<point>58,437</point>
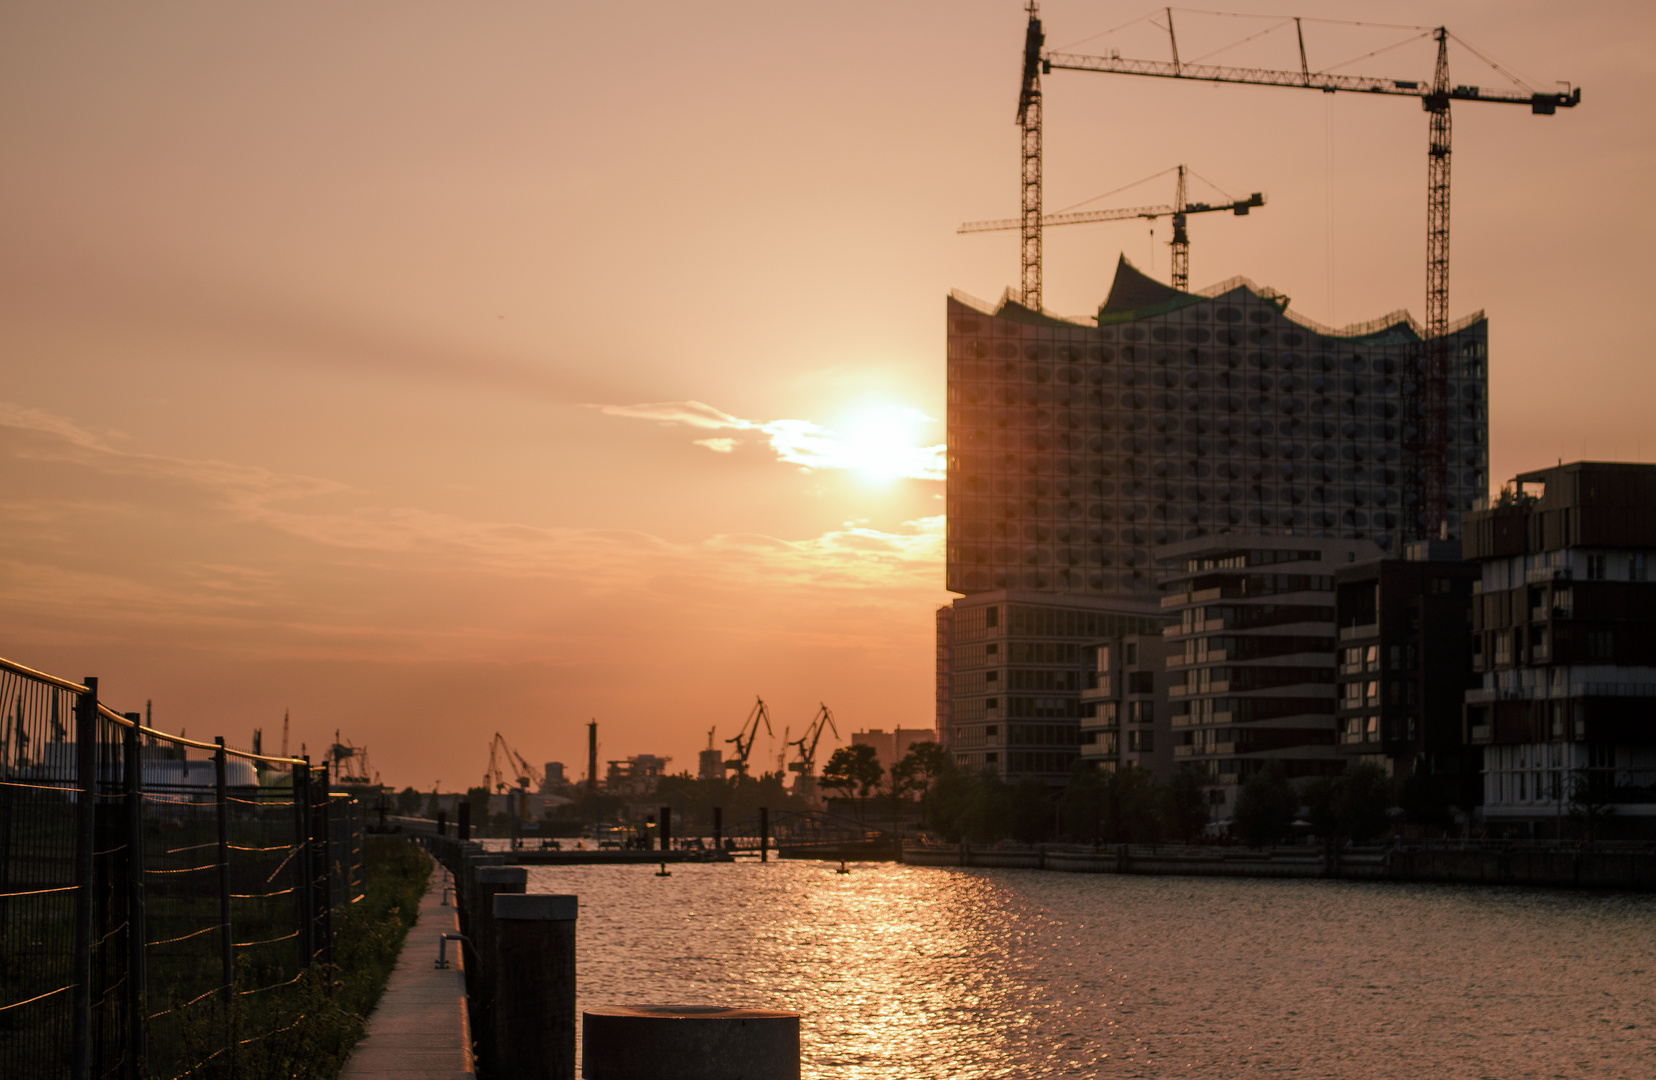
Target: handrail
<point>117,718</point>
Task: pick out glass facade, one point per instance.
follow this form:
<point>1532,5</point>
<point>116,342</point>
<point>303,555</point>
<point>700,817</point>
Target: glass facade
<point>1075,449</point>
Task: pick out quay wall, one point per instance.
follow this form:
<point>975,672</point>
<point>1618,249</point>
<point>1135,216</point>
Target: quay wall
<point>1609,869</point>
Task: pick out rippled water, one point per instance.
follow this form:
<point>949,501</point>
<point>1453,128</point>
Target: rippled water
<point>932,972</point>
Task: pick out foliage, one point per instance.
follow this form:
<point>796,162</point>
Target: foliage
<point>920,767</point>
<point>1510,499</point>
<point>1351,805</point>
<point>1266,806</point>
<point>1184,806</point>
<point>1591,804</point>
<point>854,771</point>
<point>739,797</point>
<point>408,801</point>
<point>1428,799</point>
<point>309,1031</point>
<point>478,798</point>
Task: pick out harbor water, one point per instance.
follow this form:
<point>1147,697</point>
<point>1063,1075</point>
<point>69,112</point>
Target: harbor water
<point>945,972</point>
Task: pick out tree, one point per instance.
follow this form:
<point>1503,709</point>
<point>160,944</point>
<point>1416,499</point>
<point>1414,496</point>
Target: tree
<point>1590,803</point>
<point>1266,806</point>
<point>1184,806</point>
<point>855,771</point>
<point>1083,804</point>
<point>1133,806</point>
<point>922,765</point>
<point>478,799</point>
<point>1030,804</point>
<point>408,801</point>
<point>1361,800</point>
<point>1428,799</point>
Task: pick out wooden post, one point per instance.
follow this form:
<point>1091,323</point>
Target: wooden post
<point>227,963</point>
<point>666,829</point>
<point>534,1007</point>
<point>137,931</point>
<point>86,784</point>
<point>491,881</point>
<point>718,828</point>
<point>764,834</point>
<point>689,1042</point>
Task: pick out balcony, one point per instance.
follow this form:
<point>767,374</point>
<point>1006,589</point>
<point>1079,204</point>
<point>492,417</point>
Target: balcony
<point>1542,574</point>
<point>1367,630</point>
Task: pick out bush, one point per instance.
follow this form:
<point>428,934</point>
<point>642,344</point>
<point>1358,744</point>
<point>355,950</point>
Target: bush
<point>1266,806</point>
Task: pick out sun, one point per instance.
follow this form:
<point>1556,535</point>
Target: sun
<point>885,443</point>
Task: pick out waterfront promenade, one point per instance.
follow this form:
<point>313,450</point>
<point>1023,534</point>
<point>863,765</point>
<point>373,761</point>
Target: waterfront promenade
<point>419,1030</point>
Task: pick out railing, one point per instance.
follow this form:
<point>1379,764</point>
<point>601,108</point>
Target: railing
<point>158,913</point>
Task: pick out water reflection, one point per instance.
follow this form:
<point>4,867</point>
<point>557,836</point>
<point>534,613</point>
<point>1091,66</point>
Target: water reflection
<point>932,972</point>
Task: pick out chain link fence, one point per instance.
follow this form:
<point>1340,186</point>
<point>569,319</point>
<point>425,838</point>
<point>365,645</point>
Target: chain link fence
<point>158,912</point>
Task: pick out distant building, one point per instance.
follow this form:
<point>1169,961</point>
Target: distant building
<point>710,765</point>
<point>554,777</point>
<point>1253,666</point>
<point>636,776</point>
<point>1405,661</point>
<point>893,745</point>
<point>1078,447</point>
<point>1124,709</point>
<point>1564,639</point>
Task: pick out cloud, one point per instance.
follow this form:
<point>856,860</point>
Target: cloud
<point>883,444</point>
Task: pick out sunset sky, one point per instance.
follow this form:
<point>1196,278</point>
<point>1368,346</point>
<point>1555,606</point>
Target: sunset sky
<point>437,369</point>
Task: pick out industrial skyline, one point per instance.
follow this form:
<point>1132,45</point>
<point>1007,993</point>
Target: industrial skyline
<point>412,369</point>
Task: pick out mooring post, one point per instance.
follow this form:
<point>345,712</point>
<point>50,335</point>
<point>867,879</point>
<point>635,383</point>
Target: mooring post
<point>463,814</point>
<point>764,834</point>
<point>534,1006</point>
<point>689,1042</point>
<point>492,881</point>
<point>666,828</point>
<point>137,930</point>
<point>86,784</point>
<point>718,828</point>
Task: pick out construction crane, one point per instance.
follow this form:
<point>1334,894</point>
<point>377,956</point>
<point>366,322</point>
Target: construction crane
<point>1029,118</point>
<point>746,736</point>
<point>501,755</point>
<point>1429,400</point>
<point>350,763</point>
<point>1178,211</point>
<point>807,743</point>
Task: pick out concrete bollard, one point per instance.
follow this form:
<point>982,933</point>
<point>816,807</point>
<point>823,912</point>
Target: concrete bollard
<point>492,881</point>
<point>534,1005</point>
<point>689,1042</point>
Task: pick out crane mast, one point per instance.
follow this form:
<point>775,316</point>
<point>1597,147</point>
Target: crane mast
<point>1181,238</point>
<point>1029,118</point>
<point>747,735</point>
<point>1428,398</point>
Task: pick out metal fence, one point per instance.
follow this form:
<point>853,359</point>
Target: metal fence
<point>158,913</point>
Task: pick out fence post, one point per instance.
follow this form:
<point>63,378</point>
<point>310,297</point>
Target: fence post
<point>306,893</point>
<point>322,846</point>
<point>718,828</point>
<point>764,834</point>
<point>137,930</point>
<point>222,795</point>
<point>463,812</point>
<point>86,783</point>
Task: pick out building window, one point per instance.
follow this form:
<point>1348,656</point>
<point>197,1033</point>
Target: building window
<point>1353,695</point>
<point>1595,567</point>
<point>1372,657</point>
<point>1107,714</point>
<point>991,731</point>
<point>1141,682</point>
<point>1601,645</point>
<point>1141,712</point>
<point>1129,653</point>
<point>1143,742</point>
<point>1503,647</point>
<point>991,757</point>
<point>1638,566</point>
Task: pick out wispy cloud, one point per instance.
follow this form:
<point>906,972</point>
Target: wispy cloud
<point>883,444</point>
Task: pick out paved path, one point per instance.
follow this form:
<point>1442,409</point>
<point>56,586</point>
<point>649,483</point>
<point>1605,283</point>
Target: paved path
<point>419,1029</point>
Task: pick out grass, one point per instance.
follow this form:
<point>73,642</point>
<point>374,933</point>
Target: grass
<point>308,1030</point>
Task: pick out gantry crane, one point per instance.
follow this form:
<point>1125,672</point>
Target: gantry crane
<point>807,743</point>
<point>500,754</point>
<point>1178,211</point>
<point>745,737</point>
<point>1429,400</point>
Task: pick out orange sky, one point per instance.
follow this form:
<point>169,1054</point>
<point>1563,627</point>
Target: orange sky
<point>433,369</point>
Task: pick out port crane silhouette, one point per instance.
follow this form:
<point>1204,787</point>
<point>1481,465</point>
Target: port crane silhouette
<point>807,743</point>
<point>1428,397</point>
<point>1178,210</point>
<point>745,737</point>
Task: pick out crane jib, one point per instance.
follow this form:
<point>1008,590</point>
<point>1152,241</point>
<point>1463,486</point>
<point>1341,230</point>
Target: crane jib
<point>1543,104</point>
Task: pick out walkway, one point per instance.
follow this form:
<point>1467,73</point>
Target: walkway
<point>419,1030</point>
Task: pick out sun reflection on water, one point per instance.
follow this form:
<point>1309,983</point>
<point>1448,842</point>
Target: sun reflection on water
<point>933,972</point>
